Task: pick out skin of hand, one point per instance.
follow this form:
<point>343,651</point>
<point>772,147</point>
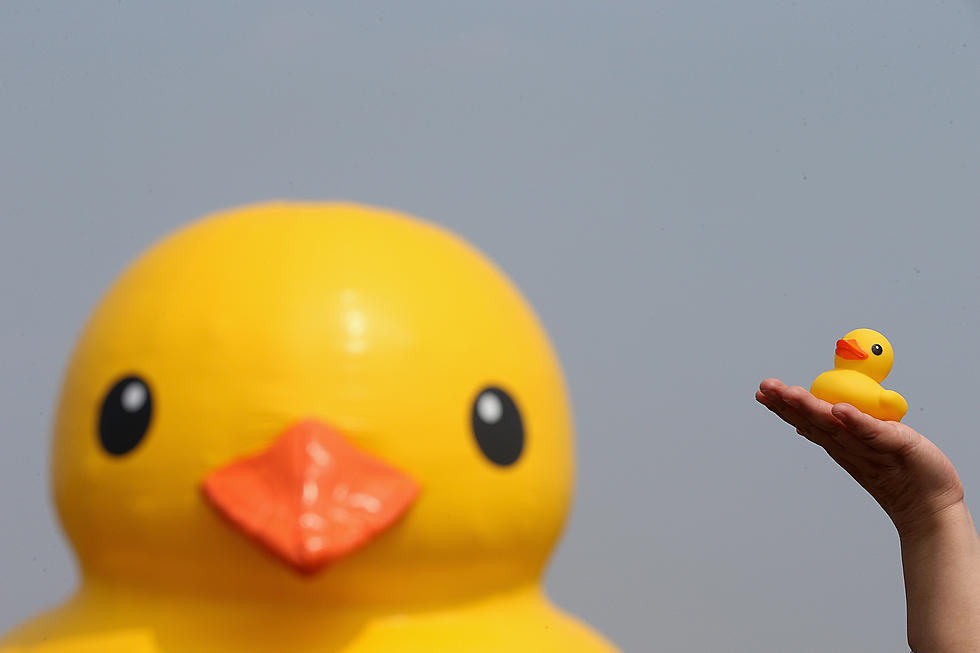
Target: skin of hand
<point>906,473</point>
<point>921,492</point>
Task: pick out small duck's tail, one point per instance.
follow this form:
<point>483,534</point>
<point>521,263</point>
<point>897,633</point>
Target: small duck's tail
<point>893,405</point>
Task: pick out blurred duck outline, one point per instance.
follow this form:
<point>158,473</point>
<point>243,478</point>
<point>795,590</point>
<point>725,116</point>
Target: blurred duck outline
<point>311,428</point>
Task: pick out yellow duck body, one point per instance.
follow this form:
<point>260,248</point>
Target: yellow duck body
<point>378,334</point>
<point>862,360</point>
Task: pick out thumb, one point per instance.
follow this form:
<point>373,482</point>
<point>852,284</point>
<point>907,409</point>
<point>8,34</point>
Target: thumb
<point>878,434</point>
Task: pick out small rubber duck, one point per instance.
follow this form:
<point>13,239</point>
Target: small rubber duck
<point>861,362</point>
<point>311,428</point>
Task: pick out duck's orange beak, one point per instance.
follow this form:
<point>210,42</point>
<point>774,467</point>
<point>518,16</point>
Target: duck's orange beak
<point>311,497</point>
<point>850,349</point>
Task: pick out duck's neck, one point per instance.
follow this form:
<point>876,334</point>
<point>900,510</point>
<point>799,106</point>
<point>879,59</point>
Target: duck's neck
<point>311,606</point>
<point>258,624</point>
<point>366,587</point>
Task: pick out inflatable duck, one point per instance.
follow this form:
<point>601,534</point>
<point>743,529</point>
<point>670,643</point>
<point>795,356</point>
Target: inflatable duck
<point>311,428</point>
<point>861,362</point>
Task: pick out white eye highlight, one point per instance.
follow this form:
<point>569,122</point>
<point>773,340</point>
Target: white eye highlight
<point>489,408</point>
<point>133,397</point>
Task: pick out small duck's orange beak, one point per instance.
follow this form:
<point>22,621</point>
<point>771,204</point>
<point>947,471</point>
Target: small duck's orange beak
<point>311,497</point>
<point>850,349</point>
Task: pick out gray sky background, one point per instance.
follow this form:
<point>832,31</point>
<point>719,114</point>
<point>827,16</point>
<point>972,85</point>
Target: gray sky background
<point>693,195</point>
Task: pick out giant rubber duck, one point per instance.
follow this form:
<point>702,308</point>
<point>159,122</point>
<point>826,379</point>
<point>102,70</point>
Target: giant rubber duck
<point>311,428</point>
<point>862,360</point>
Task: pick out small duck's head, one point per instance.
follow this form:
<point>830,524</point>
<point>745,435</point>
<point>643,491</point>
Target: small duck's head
<point>865,351</point>
<point>318,402</point>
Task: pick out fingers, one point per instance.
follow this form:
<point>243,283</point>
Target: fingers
<point>882,436</point>
<point>786,412</point>
<point>817,411</point>
<point>818,420</point>
<point>797,406</point>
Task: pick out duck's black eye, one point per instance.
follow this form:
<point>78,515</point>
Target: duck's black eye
<point>125,416</point>
<point>497,426</point>
<point>876,350</point>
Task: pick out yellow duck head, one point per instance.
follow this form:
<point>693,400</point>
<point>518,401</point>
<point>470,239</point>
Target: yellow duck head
<point>328,389</point>
<point>865,351</point>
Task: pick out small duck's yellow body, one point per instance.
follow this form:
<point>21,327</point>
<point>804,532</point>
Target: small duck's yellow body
<point>311,429</point>
<point>861,362</point>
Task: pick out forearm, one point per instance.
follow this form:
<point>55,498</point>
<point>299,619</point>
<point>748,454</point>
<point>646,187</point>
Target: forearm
<point>941,561</point>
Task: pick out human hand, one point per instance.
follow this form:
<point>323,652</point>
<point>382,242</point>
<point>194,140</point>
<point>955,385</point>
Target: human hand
<point>907,474</point>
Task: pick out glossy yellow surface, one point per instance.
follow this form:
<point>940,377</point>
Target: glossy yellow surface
<point>383,326</point>
<point>857,381</point>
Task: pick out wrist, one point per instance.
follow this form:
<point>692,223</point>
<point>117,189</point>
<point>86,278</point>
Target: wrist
<point>951,518</point>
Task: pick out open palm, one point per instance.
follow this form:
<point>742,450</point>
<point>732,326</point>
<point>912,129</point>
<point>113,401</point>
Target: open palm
<point>906,473</point>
